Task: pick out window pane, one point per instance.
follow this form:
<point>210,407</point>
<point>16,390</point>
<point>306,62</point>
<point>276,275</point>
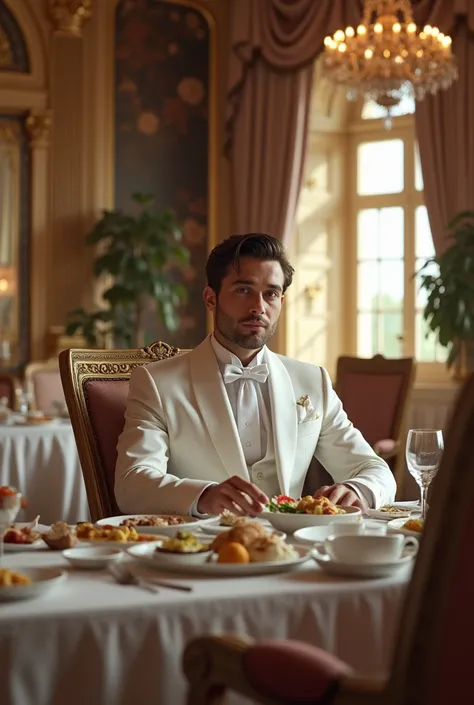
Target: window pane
<point>390,331</point>
<point>427,349</point>
<point>391,285</point>
<point>371,110</point>
<point>367,334</point>
<point>368,234</point>
<point>367,286</point>
<point>424,247</point>
<point>391,233</point>
<point>380,167</point>
<point>418,173</point>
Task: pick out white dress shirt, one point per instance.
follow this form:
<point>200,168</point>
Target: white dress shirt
<point>253,416</point>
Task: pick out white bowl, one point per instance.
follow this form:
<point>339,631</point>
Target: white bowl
<point>43,579</point>
<point>92,557</point>
<point>175,558</point>
<point>289,523</point>
<point>312,534</point>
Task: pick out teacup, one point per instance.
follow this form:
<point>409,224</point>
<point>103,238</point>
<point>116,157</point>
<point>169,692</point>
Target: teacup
<point>373,527</point>
<point>348,528</point>
<point>369,548</point>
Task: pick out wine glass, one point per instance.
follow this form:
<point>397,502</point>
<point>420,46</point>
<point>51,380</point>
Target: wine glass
<point>423,453</point>
<point>10,505</point>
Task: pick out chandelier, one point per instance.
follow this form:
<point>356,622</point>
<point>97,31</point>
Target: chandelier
<point>387,57</point>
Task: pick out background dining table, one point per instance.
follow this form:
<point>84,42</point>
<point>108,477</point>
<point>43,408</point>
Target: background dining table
<point>41,461</point>
<point>91,640</point>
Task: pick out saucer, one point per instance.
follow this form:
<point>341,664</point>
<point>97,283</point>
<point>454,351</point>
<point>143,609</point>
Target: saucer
<point>360,570</point>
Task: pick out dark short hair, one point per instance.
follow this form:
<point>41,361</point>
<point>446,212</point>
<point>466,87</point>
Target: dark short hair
<point>257,245</point>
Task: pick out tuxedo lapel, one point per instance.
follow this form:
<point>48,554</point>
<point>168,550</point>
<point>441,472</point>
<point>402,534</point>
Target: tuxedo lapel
<point>284,419</point>
<point>215,409</point>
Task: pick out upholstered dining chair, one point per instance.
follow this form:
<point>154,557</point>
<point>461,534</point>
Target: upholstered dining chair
<point>375,393</point>
<point>96,388</point>
<point>43,383</point>
<point>432,658</point>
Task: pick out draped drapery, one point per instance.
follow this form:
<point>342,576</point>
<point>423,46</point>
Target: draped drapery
<point>446,141</point>
<point>274,44</point>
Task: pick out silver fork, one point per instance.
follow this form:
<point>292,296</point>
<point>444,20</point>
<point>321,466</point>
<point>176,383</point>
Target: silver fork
<point>125,576</point>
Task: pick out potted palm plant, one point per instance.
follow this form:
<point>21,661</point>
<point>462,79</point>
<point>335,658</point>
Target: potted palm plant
<point>138,256</point>
<point>449,310</point>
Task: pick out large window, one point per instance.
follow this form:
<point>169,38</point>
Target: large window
<point>392,240</point>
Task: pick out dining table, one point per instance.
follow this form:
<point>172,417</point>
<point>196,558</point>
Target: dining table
<point>41,461</point>
<point>92,640</point>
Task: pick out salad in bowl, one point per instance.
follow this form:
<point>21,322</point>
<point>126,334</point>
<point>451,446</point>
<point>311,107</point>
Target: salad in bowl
<point>288,514</point>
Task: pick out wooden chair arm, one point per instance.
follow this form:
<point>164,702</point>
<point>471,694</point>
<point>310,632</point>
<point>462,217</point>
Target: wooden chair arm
<point>215,664</point>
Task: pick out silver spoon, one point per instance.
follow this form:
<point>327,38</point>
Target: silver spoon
<point>124,576</point>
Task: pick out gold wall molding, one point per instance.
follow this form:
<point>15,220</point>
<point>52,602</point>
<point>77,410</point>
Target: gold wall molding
<point>38,127</point>
<point>70,16</point>
<point>6,56</point>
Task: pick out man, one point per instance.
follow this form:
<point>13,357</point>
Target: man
<point>230,424</point>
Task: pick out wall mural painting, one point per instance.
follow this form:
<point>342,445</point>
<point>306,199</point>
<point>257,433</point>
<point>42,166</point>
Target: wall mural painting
<point>13,51</point>
<point>162,58</point>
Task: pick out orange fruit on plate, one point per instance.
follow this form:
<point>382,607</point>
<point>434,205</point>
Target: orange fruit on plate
<point>233,552</point>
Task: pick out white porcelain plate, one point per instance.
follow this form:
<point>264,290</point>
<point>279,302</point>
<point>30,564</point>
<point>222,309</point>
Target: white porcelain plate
<point>191,524</point>
<point>43,580</point>
<point>20,547</point>
<point>397,526</point>
<point>145,554</point>
<point>401,510</point>
<point>215,529</point>
<point>359,570</point>
<point>123,545</point>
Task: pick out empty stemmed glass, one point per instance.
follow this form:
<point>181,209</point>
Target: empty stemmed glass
<point>423,453</point>
<point>10,505</point>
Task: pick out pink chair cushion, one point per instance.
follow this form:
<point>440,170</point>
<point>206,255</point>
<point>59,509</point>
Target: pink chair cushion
<point>293,671</point>
<point>386,445</point>
<point>48,388</point>
<point>106,401</point>
<point>370,402</point>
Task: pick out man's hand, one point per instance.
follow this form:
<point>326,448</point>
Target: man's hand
<point>236,495</point>
<point>342,495</point>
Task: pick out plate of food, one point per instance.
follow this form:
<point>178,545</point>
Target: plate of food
<point>28,583</point>
<point>264,555</point>
<point>397,510</point>
<point>409,527</point>
<point>109,535</point>
<point>23,537</point>
<point>288,514</point>
<point>34,418</point>
<point>228,520</point>
<point>162,524</point>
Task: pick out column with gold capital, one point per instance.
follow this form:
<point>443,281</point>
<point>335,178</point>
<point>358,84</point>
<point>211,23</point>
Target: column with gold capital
<point>69,16</point>
<point>38,128</point>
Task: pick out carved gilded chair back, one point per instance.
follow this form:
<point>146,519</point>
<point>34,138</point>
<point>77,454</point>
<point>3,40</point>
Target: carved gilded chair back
<point>43,383</point>
<point>96,386</point>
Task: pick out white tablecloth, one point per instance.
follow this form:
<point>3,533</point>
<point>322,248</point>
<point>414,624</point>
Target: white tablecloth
<point>42,462</point>
<point>92,641</point>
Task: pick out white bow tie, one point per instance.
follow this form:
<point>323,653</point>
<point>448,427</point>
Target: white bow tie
<point>258,373</point>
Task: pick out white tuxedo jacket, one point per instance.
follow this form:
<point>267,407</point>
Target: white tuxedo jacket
<point>180,434</point>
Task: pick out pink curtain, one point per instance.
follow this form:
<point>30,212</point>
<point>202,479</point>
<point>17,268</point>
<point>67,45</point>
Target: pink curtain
<point>273,47</point>
<point>446,140</point>
<point>274,43</point>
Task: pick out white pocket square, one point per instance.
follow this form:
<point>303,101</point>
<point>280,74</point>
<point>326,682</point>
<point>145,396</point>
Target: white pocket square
<point>305,410</point>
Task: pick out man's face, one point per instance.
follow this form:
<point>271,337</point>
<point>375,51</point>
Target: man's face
<point>248,306</point>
